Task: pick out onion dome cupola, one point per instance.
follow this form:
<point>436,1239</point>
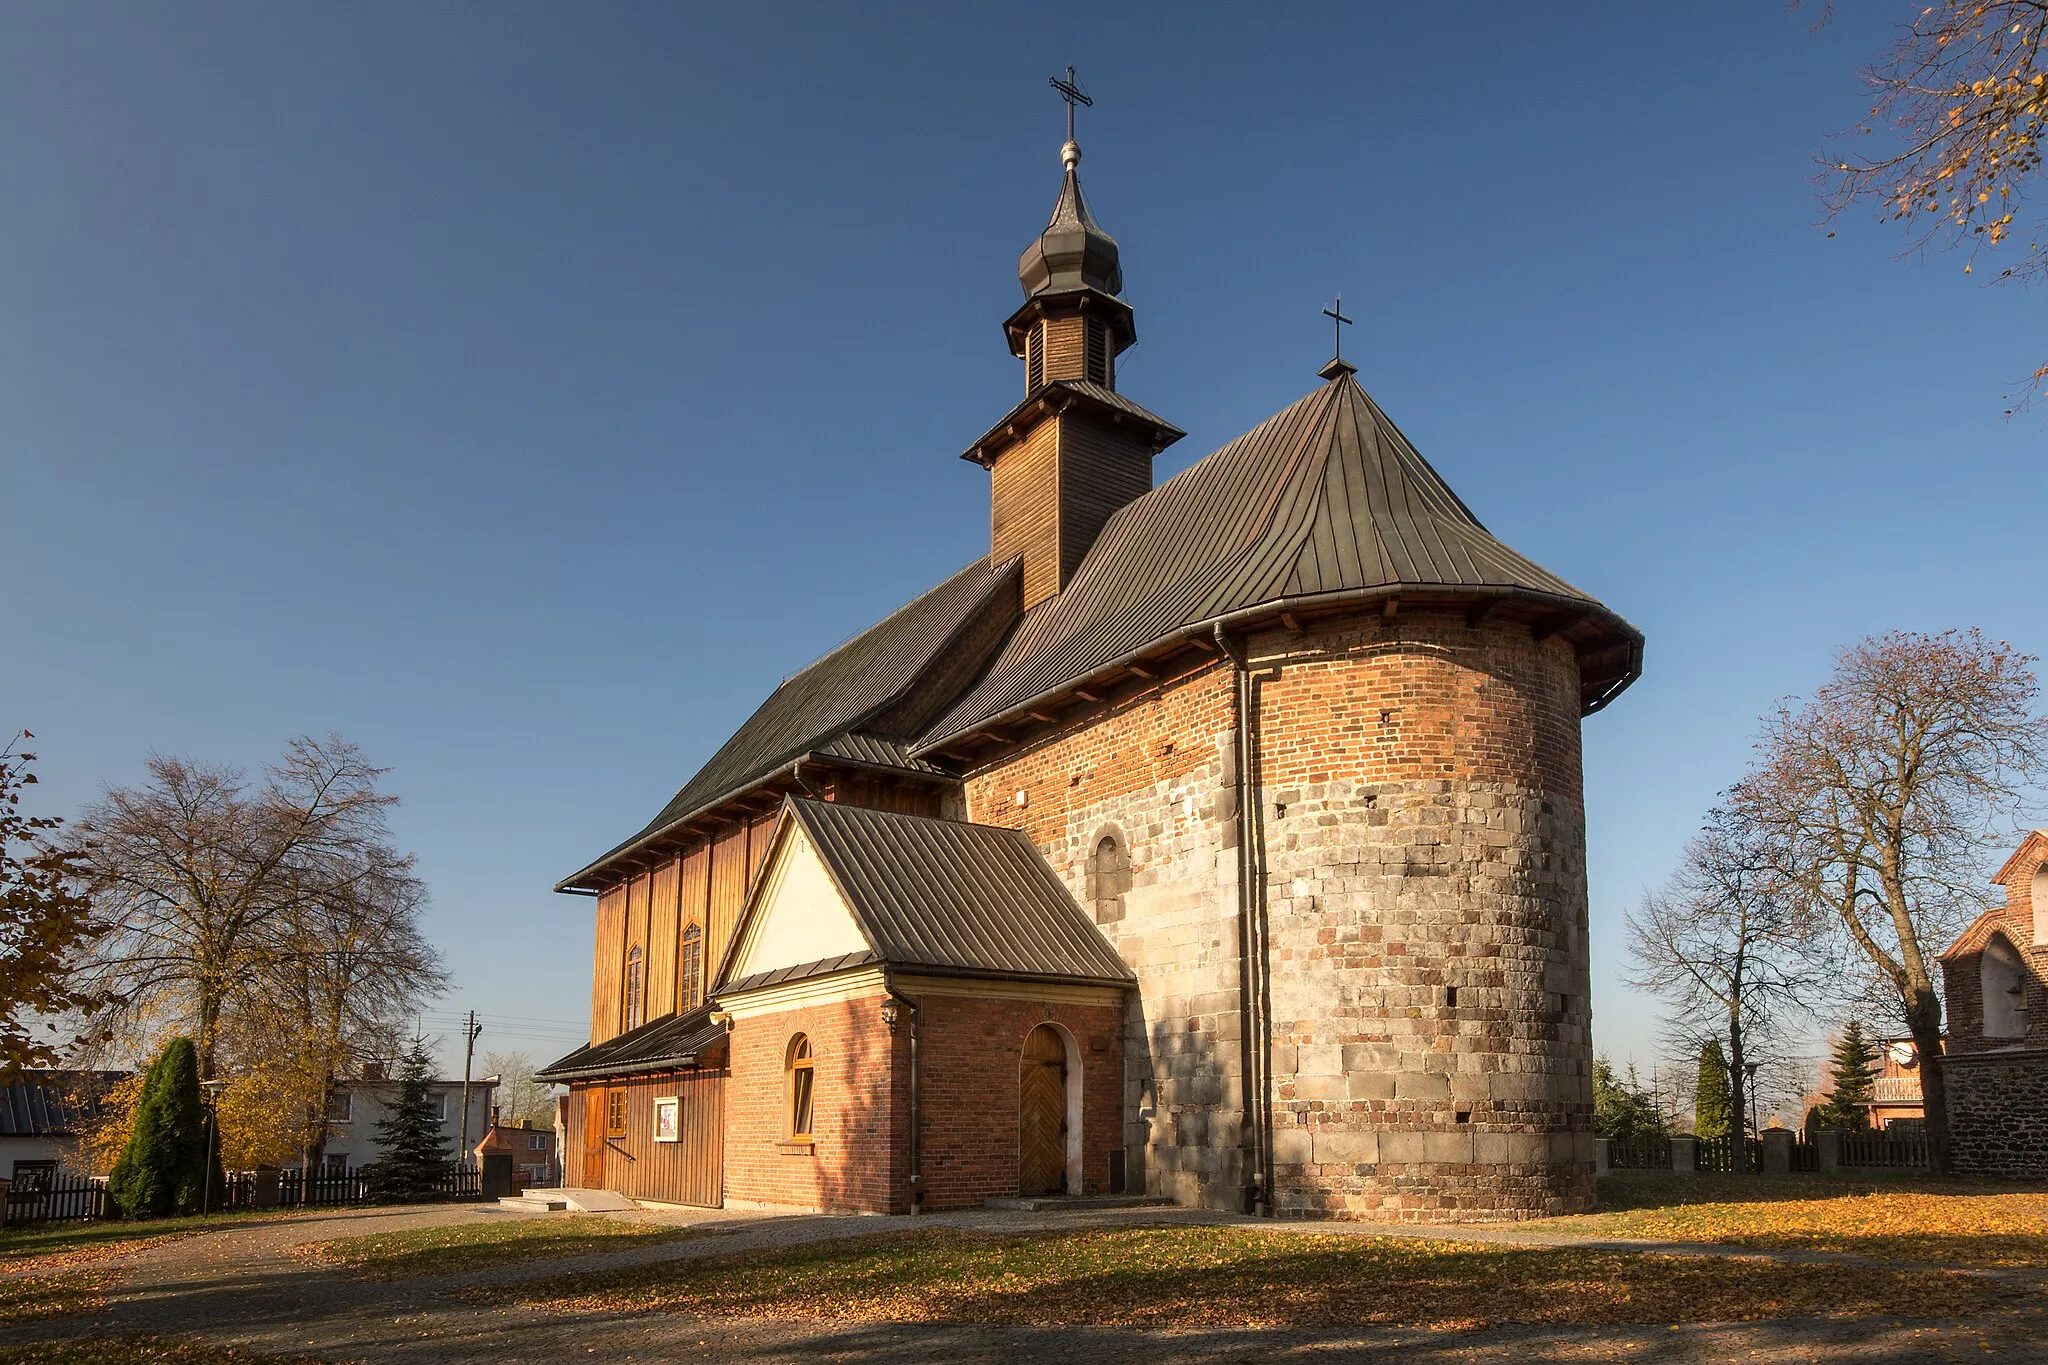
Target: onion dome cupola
<point>1072,325</point>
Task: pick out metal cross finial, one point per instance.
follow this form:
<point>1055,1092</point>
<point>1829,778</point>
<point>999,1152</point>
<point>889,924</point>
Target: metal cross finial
<point>1336,311</point>
<point>1072,94</point>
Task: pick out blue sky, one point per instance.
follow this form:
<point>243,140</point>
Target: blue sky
<point>522,390</point>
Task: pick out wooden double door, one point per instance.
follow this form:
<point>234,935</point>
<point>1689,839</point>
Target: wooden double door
<point>1042,1114</point>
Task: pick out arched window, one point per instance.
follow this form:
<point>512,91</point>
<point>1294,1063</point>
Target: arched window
<point>2004,980</point>
<point>636,990</point>
<point>1109,877</point>
<point>800,1088</point>
<point>693,966</point>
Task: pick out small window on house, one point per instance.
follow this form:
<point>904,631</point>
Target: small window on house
<point>636,990</point>
<point>340,1107</point>
<point>1109,877</point>
<point>538,1142</point>
<point>1098,353</point>
<point>2004,980</point>
<point>441,1106</point>
<point>693,966</point>
<point>615,1113</point>
<point>800,1088</point>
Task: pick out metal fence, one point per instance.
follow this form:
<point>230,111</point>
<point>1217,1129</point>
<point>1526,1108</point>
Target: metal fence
<point>54,1198</point>
<point>1884,1148</point>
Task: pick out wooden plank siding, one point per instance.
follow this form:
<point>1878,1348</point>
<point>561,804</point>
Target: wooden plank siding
<point>1024,510</point>
<point>1066,347</point>
<point>662,930</point>
<point>693,907</point>
<point>688,1171</point>
<point>1102,468</point>
<point>729,867</point>
<point>608,964</point>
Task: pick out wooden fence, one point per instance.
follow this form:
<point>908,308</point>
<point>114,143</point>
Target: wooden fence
<point>1645,1152</point>
<point>55,1198</point>
<point>1884,1148</point>
<point>66,1198</point>
<point>1721,1154</point>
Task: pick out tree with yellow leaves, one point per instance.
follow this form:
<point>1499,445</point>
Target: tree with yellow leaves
<point>1959,115</point>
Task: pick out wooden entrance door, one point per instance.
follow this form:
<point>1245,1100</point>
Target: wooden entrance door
<point>593,1138</point>
<point>1042,1114</point>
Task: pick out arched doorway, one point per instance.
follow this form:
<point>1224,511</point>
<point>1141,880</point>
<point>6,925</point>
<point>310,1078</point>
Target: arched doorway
<point>1042,1113</point>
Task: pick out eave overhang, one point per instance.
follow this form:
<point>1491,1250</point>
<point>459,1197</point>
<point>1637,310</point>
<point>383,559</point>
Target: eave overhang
<point>1057,396</point>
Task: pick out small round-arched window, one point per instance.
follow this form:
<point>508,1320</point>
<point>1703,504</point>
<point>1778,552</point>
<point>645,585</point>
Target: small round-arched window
<point>800,1069</point>
<point>2004,980</point>
<point>1109,877</point>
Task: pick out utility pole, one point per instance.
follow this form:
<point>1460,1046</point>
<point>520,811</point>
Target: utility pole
<point>469,1033</point>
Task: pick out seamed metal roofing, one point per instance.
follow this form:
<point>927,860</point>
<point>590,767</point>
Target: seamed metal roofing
<point>52,1103</point>
<point>823,703</point>
<point>1325,497</point>
<point>944,897</point>
<point>674,1040</point>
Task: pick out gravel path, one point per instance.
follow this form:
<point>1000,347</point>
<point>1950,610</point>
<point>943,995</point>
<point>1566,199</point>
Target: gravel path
<point>241,1285</point>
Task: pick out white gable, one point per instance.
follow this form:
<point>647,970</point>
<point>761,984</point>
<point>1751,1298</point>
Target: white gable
<point>801,917</point>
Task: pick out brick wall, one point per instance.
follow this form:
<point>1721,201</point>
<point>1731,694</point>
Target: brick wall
<point>970,1053</point>
<point>860,1111</point>
<point>1421,825</point>
<point>1963,973</point>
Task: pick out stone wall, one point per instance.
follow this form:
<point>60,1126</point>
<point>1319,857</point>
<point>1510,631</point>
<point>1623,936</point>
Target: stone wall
<point>1998,1113</point>
<point>1421,826</point>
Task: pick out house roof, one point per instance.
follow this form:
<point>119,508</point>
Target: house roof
<point>674,1040</point>
<point>52,1103</point>
<point>1325,499</point>
<point>2032,849</point>
<point>940,896</point>
<point>1997,920</point>
<point>824,705</point>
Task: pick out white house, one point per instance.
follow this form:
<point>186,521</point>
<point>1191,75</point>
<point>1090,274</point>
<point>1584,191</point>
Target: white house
<point>357,1106</point>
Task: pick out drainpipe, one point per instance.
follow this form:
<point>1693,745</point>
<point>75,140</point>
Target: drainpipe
<point>1258,1189</point>
<point>905,1003</point>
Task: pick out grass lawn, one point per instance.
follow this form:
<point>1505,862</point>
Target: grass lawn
<point>490,1240</point>
<point>25,1298</point>
<point>1240,1277</point>
<point>1950,1222</point>
<point>50,1246</point>
<point>138,1351</point>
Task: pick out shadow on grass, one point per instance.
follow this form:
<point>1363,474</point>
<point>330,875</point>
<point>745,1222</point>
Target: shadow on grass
<point>1624,1190</point>
<point>1242,1278</point>
<point>453,1248</point>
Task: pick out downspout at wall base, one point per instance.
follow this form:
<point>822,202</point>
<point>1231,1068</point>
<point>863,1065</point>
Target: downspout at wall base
<point>1253,1053</point>
<point>916,1099</point>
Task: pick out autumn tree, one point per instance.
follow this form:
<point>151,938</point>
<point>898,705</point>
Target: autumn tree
<point>1881,798</point>
<point>45,918</point>
<point>1952,141</point>
<point>1720,945</point>
<point>281,909</point>
<point>520,1096</point>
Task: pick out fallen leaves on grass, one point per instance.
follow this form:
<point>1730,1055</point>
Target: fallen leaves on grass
<point>28,1298</point>
<point>133,1350</point>
<point>1235,1277</point>
<point>467,1246</point>
<point>1947,1224</point>
<point>53,1246</point>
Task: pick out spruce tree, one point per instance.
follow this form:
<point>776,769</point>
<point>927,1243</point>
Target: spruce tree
<point>415,1156</point>
<point>1853,1068</point>
<point>162,1170</point>
<point>1713,1111</point>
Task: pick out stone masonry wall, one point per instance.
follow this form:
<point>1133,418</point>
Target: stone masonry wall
<point>1426,894</point>
<point>1421,824</point>
<point>1157,772</point>
<point>1998,1113</point>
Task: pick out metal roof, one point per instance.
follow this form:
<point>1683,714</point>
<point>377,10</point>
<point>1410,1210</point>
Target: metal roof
<point>51,1103</point>
<point>674,1040</point>
<point>947,897</point>
<point>824,702</point>
<point>1324,498</point>
<point>1058,393</point>
<point>1073,252</point>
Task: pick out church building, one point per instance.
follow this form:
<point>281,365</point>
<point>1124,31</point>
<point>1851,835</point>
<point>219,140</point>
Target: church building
<point>1222,840</point>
